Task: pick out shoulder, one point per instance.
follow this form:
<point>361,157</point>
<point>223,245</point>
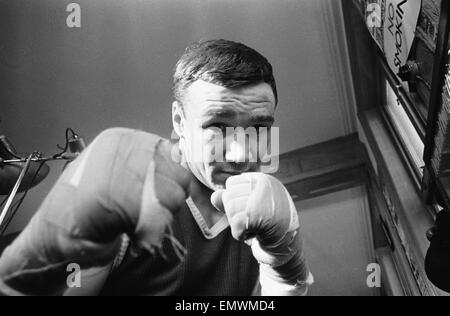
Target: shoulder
<point>125,141</point>
<point>128,134</point>
<point>115,149</point>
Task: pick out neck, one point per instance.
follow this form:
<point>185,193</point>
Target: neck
<point>201,195</point>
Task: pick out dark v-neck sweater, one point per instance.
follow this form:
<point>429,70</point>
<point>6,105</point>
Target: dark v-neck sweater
<point>213,267</point>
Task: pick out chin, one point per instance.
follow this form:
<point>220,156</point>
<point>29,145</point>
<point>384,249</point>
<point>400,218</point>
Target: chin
<point>217,187</point>
<point>216,183</point>
<point>219,180</point>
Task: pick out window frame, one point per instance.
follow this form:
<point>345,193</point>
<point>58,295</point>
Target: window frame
<point>414,196</point>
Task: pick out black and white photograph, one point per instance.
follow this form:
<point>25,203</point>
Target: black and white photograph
<point>230,155</point>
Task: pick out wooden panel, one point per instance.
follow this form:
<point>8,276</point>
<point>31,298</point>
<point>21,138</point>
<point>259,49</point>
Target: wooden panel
<point>324,168</point>
<point>327,183</point>
<point>341,150</point>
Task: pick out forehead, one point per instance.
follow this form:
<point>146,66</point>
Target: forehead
<point>204,97</point>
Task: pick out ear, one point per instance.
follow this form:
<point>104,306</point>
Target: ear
<point>178,118</point>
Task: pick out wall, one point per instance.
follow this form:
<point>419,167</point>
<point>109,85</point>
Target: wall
<point>338,242</point>
<point>116,70</point>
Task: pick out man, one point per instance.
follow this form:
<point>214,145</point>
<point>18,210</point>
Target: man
<point>142,216</point>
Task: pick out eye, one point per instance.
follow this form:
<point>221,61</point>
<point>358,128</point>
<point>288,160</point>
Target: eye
<point>257,127</point>
<point>221,126</point>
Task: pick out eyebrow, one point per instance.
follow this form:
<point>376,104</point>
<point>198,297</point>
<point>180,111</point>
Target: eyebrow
<point>262,119</point>
<point>222,113</point>
<point>230,114</point>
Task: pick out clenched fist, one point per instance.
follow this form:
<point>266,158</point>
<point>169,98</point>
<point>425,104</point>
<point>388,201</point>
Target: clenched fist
<point>124,182</point>
<point>261,212</point>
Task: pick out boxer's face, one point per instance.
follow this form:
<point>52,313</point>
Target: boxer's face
<point>205,119</point>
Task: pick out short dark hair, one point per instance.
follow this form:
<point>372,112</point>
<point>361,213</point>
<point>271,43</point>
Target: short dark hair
<point>222,62</point>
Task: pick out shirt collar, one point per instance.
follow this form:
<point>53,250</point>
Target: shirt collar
<point>208,233</point>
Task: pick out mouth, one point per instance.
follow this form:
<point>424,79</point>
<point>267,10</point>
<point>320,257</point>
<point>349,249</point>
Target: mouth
<point>221,176</point>
<point>226,175</point>
<point>236,171</point>
<point>233,172</point>
<point>224,172</point>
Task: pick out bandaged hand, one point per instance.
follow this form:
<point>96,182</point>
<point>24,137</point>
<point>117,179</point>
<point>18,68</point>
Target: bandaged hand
<point>261,212</point>
<point>125,182</point>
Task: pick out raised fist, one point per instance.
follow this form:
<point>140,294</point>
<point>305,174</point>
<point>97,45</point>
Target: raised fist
<point>261,212</point>
<point>124,182</point>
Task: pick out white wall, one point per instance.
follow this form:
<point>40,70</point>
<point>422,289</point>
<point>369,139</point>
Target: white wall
<point>338,242</point>
<point>116,70</point>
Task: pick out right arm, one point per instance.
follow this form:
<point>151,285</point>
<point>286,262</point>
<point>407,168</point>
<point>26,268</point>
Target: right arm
<point>124,182</point>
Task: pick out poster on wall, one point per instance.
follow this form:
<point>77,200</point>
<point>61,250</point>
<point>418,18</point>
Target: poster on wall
<point>392,24</point>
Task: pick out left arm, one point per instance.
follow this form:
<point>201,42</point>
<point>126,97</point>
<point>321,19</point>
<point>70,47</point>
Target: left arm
<point>261,212</point>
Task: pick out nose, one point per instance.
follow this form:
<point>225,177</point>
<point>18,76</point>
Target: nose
<point>238,152</point>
